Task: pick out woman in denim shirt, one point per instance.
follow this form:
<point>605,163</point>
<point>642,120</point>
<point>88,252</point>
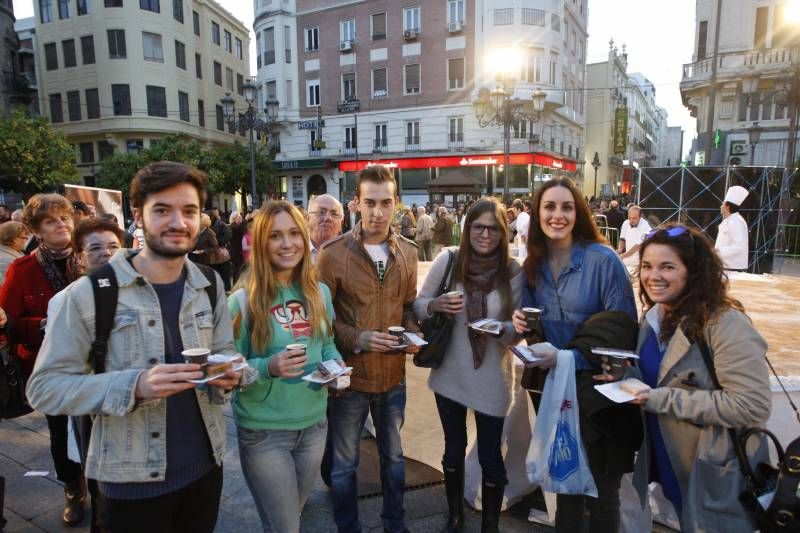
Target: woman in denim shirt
<point>572,274</point>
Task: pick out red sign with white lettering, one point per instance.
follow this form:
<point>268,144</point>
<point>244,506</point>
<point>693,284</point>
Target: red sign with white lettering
<point>460,161</point>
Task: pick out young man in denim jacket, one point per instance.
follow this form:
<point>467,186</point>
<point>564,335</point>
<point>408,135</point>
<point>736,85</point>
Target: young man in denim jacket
<point>157,441</point>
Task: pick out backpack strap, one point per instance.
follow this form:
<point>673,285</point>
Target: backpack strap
<point>106,293</point>
<point>211,290</point>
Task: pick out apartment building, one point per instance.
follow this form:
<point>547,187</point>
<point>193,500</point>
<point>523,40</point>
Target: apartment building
<point>118,75</point>
<point>757,59</point>
<point>394,83</point>
<point>15,88</point>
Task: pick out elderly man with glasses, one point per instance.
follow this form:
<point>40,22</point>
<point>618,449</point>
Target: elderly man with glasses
<point>325,217</point>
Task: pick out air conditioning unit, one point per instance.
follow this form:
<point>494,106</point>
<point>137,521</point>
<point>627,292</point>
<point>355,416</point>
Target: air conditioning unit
<point>734,161</point>
<point>345,46</point>
<point>738,148</point>
<point>410,35</point>
<point>454,27</point>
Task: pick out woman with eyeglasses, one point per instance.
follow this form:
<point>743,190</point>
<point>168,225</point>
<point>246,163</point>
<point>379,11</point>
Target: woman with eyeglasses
<point>572,274</point>
<point>476,372</point>
<point>688,450</point>
<point>13,238</point>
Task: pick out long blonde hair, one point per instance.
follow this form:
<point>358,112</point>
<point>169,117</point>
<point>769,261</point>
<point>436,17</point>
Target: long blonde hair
<point>260,284</point>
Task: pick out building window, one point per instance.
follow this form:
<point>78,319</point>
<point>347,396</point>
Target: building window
<point>50,56</point>
<point>312,39</point>
<point>215,33</point>
<point>412,79</point>
<point>239,49</point>
<point>312,91</point>
<point>378,26</point>
<point>455,73</point>
<point>555,22</point>
<point>180,55</point>
<point>153,49</point>
<point>347,30</point>
<point>379,86</point>
<point>350,138</point>
<point>104,149</point>
<point>412,135</point>
<point>229,79</point>
<point>287,43</point>
<point>760,33</point>
<point>83,7</point>
<point>56,109</point>
<point>381,140</point>
<point>228,42</point>
<point>411,19</point>
<point>87,152</point>
<point>63,9</point>
<point>134,146</point>
<point>503,17</point>
<point>240,84</point>
<point>532,17</point>
<point>269,46</point>
<point>196,22</point>
<point>551,79</point>
<point>92,104</point>
<point>177,10</point>
<point>46,11</point>
<point>349,86</point>
<point>220,118</point>
<point>532,67</point>
<point>702,39</point>
<point>156,101</point>
<point>183,106</point>
<point>456,131</point>
<point>113,3</point>
<point>198,66</point>
<point>201,114</point>
<point>218,73</point>
<point>87,49</point>
<point>150,5</point>
<point>121,98</point>
<point>74,105</point>
<point>116,44</point>
<point>289,94</point>
<point>455,11</point>
<point>271,89</point>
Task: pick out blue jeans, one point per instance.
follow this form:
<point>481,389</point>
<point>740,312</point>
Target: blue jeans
<point>490,432</point>
<point>280,468</point>
<point>348,413</point>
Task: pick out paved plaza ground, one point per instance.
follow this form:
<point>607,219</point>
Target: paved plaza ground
<point>34,503</point>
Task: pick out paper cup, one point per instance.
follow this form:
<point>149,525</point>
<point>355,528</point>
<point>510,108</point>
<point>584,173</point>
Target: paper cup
<point>297,347</point>
<point>197,356</point>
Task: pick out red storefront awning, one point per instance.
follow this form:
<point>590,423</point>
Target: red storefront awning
<point>461,161</point>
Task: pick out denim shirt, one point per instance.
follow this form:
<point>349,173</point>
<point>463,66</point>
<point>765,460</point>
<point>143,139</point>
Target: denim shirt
<point>128,438</point>
<point>595,280</point>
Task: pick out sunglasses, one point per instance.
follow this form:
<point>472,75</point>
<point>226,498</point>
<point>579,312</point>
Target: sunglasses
<point>672,233</point>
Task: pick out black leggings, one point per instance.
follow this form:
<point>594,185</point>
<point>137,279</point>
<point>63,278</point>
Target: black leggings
<point>66,471</point>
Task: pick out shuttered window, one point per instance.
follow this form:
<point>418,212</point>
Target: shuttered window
<point>378,26</point>
<point>412,79</point>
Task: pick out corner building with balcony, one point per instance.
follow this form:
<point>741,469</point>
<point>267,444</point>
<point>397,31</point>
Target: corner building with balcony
<point>757,72</point>
<point>118,75</point>
<point>394,83</point>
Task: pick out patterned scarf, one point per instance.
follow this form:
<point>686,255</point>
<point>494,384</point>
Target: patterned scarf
<point>47,259</point>
<point>481,275</point>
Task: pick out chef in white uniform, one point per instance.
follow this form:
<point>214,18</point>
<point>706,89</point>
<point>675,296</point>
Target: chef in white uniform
<point>732,238</point>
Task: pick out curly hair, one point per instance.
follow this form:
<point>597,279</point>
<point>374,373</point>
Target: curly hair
<point>705,295</point>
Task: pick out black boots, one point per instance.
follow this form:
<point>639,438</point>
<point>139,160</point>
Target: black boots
<point>454,488</point>
<point>75,496</point>
<point>491,501</point>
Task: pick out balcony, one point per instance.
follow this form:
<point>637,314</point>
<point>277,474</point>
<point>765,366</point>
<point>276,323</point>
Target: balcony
<point>455,141</point>
<point>350,148</point>
<point>775,61</point>
<point>412,144</point>
<point>314,150</point>
<point>379,145</point>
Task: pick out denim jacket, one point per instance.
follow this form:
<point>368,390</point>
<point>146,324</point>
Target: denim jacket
<point>594,280</point>
<point>127,442</point>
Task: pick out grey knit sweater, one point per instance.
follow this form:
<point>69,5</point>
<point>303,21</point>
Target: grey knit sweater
<point>487,389</point>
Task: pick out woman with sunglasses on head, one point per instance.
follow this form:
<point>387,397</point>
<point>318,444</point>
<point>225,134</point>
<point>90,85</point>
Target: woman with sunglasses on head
<point>476,371</point>
<point>688,450</point>
<point>572,274</point>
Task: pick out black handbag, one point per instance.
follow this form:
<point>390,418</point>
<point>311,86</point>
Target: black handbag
<point>437,329</point>
<point>13,402</point>
<point>781,512</point>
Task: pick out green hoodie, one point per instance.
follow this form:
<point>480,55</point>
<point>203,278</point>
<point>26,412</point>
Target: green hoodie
<point>283,403</point>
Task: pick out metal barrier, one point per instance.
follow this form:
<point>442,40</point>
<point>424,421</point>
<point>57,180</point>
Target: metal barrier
<point>790,241</point>
<point>611,235</point>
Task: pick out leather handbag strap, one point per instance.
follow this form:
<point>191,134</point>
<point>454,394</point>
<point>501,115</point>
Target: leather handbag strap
<point>444,285</point>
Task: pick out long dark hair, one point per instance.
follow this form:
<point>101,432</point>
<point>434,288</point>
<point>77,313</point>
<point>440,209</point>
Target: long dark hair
<point>585,229</point>
<point>465,252</point>
<point>705,295</point>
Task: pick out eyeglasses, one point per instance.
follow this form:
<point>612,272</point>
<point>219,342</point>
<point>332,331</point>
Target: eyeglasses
<point>478,229</point>
<point>111,248</point>
<point>322,213</point>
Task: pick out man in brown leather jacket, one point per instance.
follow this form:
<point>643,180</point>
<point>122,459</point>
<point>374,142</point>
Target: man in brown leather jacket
<point>372,275</point>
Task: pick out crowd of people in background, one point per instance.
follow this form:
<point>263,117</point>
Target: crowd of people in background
<point>283,290</point>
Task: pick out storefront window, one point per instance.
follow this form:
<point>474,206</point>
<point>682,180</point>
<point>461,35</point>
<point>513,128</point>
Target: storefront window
<point>414,179</point>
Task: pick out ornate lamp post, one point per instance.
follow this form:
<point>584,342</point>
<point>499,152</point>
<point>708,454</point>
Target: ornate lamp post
<point>596,164</point>
<point>754,135</point>
<point>250,122</point>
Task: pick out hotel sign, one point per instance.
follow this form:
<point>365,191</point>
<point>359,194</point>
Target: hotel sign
<point>621,130</point>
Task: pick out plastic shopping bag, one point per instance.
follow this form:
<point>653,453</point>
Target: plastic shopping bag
<point>556,459</point>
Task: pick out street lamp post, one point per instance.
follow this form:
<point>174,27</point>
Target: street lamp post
<point>596,164</point>
<point>754,135</point>
<point>498,108</point>
<point>250,122</point>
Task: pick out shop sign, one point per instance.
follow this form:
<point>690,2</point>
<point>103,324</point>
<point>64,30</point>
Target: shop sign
<point>472,162</point>
<point>295,164</point>
<point>620,130</point>
<point>460,161</point>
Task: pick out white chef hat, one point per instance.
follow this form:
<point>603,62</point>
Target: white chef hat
<point>736,195</point>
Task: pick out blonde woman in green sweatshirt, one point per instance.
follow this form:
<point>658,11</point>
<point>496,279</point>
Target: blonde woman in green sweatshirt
<point>281,417</point>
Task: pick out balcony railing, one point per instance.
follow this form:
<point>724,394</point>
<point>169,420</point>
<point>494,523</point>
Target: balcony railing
<point>314,151</point>
<point>350,148</point>
<point>412,144</point>
<point>379,145</point>
<point>741,63</point>
<point>455,140</point>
